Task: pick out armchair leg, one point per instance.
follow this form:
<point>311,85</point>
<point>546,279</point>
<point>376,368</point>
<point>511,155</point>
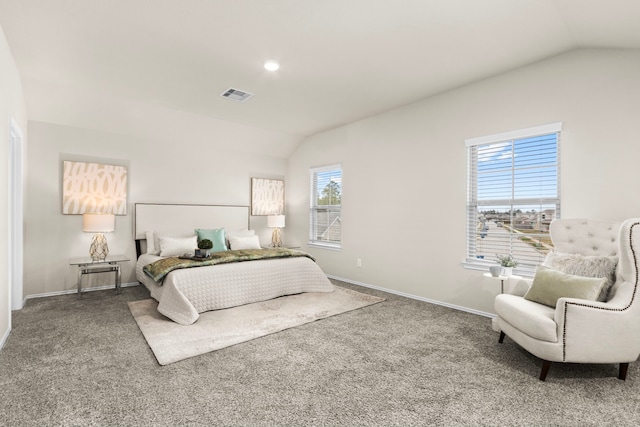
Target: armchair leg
<point>622,374</point>
<point>547,364</point>
<point>545,370</point>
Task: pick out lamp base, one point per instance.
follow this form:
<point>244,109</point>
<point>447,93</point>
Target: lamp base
<point>276,242</point>
<point>99,248</point>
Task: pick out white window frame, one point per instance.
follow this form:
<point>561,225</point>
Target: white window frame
<point>313,208</point>
<point>471,261</point>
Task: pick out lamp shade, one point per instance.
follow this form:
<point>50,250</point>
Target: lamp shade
<point>275,221</point>
<point>98,223</point>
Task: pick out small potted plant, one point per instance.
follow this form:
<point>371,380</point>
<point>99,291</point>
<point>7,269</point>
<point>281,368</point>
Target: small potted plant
<point>507,262</point>
<point>204,248</point>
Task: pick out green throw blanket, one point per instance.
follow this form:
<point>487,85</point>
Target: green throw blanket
<point>159,269</point>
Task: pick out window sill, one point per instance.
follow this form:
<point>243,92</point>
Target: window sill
<point>329,246</point>
<point>526,272</point>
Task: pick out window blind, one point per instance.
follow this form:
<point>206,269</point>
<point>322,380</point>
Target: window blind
<point>325,213</point>
<point>513,194</point>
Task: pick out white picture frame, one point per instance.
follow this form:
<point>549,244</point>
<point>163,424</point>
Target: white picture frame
<point>93,188</point>
<point>267,196</point>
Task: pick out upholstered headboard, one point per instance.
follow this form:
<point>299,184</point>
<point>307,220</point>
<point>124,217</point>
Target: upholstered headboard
<point>181,217</point>
<point>585,236</point>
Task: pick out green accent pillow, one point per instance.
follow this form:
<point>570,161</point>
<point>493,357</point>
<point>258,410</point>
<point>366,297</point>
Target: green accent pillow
<point>549,285</point>
<point>215,235</point>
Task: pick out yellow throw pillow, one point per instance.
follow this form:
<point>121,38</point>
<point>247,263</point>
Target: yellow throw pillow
<point>550,285</point>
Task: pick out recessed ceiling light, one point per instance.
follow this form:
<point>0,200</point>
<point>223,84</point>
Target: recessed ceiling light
<point>271,65</point>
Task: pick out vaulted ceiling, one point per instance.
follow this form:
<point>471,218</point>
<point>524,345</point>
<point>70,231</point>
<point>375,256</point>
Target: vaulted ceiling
<point>156,68</point>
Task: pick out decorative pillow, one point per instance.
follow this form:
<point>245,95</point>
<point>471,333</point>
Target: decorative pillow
<point>215,235</point>
<point>151,248</point>
<point>248,242</point>
<point>153,239</point>
<point>176,246</point>
<point>586,266</point>
<point>238,233</point>
<point>549,285</point>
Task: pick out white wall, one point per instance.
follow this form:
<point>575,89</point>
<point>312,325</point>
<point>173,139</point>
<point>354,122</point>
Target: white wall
<point>11,106</point>
<point>182,172</point>
<point>404,171</point>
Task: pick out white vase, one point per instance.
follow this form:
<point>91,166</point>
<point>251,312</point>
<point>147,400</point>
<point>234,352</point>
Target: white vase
<point>507,271</point>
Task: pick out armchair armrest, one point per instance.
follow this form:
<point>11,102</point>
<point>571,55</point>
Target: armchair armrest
<point>580,308</point>
<point>580,321</point>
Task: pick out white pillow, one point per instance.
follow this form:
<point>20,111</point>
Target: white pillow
<point>246,242</point>
<point>153,239</point>
<point>239,233</point>
<point>176,246</point>
<point>151,247</point>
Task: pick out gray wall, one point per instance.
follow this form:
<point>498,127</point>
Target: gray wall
<point>178,172</point>
<point>404,171</point>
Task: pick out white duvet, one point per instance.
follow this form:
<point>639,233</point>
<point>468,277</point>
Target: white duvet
<point>187,292</point>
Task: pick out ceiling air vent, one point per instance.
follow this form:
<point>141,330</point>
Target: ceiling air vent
<point>236,95</point>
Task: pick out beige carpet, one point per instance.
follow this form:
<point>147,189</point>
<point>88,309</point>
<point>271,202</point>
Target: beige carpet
<point>171,342</point>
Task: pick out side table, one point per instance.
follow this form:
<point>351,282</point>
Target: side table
<point>494,321</point>
<point>502,279</point>
<point>86,265</point>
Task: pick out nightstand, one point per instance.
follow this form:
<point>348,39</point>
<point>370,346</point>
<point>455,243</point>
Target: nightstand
<point>86,265</point>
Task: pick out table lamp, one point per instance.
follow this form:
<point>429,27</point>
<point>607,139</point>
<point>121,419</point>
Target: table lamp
<point>98,223</point>
<point>276,222</point>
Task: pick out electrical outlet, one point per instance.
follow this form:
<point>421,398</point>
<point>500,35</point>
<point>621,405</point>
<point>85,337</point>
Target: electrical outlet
<point>359,263</point>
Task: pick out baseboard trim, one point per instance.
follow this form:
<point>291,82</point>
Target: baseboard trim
<point>75,291</point>
<point>402,294</point>
<point>5,338</point>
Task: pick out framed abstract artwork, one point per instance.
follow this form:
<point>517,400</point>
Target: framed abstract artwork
<point>93,188</point>
<point>267,196</point>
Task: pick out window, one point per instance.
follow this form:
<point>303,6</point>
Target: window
<point>325,218</point>
<point>513,194</point>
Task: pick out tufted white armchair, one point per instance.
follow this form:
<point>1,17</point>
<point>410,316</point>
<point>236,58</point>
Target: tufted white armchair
<point>576,330</point>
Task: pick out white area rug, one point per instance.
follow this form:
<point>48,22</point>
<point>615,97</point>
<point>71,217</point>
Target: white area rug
<point>171,342</point>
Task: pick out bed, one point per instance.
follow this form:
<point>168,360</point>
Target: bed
<point>185,293</point>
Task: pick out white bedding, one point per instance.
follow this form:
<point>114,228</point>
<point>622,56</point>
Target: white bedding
<point>187,292</point>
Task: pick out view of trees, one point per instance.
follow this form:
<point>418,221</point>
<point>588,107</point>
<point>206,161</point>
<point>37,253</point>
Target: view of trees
<point>330,194</point>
